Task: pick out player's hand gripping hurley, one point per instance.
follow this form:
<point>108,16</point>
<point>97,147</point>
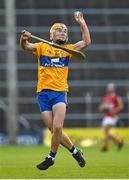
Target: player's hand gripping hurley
<point>75,53</point>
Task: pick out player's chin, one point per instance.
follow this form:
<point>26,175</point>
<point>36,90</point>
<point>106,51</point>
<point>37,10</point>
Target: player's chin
<point>60,41</point>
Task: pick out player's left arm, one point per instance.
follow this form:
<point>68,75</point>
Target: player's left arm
<point>118,108</point>
<point>86,40</point>
<point>101,106</point>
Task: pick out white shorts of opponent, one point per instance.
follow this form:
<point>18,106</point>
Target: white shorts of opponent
<point>107,120</point>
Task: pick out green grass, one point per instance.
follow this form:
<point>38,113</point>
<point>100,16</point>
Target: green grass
<point>19,162</point>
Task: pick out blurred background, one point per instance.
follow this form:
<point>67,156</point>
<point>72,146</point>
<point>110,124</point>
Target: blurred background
<point>107,61</point>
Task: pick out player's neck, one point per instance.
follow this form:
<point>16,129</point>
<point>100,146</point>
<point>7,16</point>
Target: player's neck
<point>111,94</point>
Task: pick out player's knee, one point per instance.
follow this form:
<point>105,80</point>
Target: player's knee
<point>57,129</point>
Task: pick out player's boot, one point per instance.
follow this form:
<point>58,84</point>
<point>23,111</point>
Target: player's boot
<point>45,164</point>
<point>79,158</point>
<point>120,145</point>
<point>104,149</point>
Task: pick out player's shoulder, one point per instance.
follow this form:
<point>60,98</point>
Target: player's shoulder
<point>40,44</point>
<point>38,47</point>
<point>117,97</point>
<point>70,46</point>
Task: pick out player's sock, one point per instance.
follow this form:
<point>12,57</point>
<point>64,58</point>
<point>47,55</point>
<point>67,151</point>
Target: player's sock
<point>105,147</point>
<point>120,144</point>
<point>117,141</point>
<point>73,150</point>
<point>52,155</point>
<point>78,156</point>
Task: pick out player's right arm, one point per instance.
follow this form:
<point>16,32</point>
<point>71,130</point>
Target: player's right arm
<point>24,42</point>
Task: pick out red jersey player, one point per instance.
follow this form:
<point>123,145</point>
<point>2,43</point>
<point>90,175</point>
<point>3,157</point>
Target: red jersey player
<point>111,105</point>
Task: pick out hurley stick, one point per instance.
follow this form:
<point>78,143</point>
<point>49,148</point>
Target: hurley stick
<point>75,53</point>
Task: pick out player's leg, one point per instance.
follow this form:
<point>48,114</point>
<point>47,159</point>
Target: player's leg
<point>57,119</point>
<point>117,140</point>
<point>59,111</point>
<point>46,111</point>
<point>47,117</point>
<point>48,121</point>
<point>106,129</point>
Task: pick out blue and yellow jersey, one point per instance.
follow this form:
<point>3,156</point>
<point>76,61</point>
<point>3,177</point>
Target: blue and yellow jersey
<point>52,67</point>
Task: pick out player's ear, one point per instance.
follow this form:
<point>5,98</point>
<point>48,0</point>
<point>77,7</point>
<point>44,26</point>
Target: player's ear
<point>67,38</point>
<point>51,36</point>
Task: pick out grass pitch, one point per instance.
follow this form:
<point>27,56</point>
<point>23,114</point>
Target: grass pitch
<point>20,162</point>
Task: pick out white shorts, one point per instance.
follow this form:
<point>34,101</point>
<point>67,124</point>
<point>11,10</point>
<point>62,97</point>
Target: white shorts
<point>109,121</point>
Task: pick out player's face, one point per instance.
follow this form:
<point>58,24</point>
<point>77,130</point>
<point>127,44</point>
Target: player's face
<point>110,90</point>
<point>60,35</point>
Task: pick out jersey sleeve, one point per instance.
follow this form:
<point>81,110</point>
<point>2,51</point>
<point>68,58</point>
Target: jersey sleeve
<point>118,99</point>
<point>70,46</point>
<point>38,49</point>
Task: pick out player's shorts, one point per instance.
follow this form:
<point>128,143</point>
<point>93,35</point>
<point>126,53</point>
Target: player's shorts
<point>109,121</point>
<point>48,98</point>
